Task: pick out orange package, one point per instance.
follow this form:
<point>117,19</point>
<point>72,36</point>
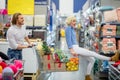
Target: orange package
<point>109,30</point>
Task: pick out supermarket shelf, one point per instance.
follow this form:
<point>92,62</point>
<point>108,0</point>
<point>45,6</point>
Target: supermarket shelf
<point>115,23</point>
<point>107,54</point>
<point>109,37</point>
<point>35,27</point>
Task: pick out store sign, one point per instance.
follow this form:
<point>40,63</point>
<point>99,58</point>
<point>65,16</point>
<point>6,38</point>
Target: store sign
<point>23,6</point>
<point>41,2</point>
<point>56,3</point>
<point>78,4</point>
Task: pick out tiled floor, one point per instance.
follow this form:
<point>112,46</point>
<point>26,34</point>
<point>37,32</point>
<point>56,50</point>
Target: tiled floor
<point>76,75</point>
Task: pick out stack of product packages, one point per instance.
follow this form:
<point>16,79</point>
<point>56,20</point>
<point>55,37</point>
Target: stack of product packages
<point>108,41</point>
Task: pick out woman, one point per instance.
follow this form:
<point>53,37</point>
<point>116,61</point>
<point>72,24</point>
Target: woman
<point>76,50</point>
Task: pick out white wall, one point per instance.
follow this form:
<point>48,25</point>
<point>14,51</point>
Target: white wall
<point>40,9</point>
<point>66,6</point>
<point>2,4</point>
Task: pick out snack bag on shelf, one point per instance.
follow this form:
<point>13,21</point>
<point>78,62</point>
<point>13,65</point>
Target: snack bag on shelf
<point>108,44</point>
<point>109,30</point>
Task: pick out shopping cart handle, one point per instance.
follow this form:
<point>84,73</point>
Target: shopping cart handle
<point>30,46</point>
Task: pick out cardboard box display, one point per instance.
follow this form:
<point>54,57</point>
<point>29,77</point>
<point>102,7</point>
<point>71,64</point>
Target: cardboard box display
<point>48,58</point>
<point>60,66</point>
<point>48,66</point>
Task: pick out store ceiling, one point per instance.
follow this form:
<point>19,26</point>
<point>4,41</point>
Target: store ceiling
<point>77,4</point>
